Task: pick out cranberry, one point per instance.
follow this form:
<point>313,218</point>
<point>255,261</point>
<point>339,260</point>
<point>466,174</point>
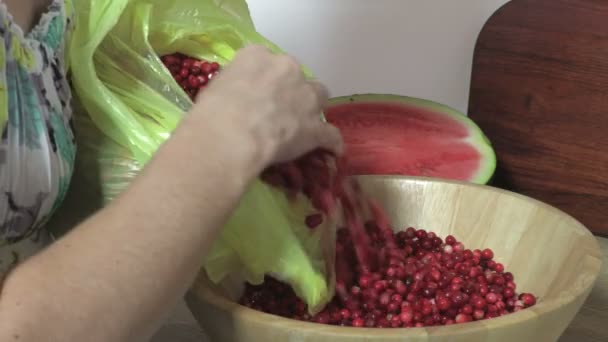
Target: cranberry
<point>384,299</point>
<point>421,234</point>
<point>443,303</point>
<point>406,316</point>
<point>410,232</point>
<point>426,310</point>
<point>358,323</point>
<point>491,298</point>
<point>393,307</point>
<point>463,318</point>
<point>380,285</point>
<point>322,318</point>
<point>450,240</point>
<point>467,309</point>
<point>527,299</point>
<point>396,322</point>
<point>487,254</point>
<point>400,287</point>
<point>345,314</point>
<point>313,221</point>
<point>383,323</point>
<point>458,247</point>
<point>500,305</point>
<point>365,281</point>
<point>458,298</point>
<point>478,302</point>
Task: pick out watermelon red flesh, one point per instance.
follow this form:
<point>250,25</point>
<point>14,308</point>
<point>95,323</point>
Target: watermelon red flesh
<point>397,135</point>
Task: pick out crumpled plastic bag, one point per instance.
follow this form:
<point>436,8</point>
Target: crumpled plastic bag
<point>131,104</point>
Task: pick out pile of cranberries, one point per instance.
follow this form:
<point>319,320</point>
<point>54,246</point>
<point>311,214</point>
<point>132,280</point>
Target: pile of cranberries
<point>190,73</point>
<point>424,282</point>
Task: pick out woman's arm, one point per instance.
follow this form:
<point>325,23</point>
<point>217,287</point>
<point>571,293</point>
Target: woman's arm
<point>116,276</point>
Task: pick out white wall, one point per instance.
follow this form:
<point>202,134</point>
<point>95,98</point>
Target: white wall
<point>421,48</point>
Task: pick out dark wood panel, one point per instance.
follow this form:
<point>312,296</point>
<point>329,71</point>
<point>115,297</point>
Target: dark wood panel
<point>539,90</point>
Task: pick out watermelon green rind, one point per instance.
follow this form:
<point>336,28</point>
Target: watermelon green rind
<point>476,137</point>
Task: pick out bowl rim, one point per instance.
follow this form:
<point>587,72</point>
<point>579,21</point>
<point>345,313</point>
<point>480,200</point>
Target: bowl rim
<point>207,294</point>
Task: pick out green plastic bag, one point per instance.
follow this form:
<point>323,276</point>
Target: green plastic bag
<point>133,104</point>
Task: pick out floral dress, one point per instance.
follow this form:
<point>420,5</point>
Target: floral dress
<point>37,145</point>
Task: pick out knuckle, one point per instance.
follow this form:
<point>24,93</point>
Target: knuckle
<point>311,97</point>
<point>253,53</point>
<point>287,64</point>
<point>256,48</point>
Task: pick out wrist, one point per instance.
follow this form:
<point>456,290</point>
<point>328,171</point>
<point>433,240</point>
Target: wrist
<point>224,140</point>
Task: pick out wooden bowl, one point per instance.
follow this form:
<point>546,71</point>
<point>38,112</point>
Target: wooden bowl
<point>551,255</point>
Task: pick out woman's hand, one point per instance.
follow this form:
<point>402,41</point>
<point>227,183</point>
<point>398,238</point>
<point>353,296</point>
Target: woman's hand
<point>264,98</point>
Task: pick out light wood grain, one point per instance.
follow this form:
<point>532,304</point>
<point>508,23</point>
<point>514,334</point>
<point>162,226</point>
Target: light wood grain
<point>550,253</point>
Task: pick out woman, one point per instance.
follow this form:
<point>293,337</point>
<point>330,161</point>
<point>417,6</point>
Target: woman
<point>115,276</point>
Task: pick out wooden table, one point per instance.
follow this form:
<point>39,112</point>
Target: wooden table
<point>591,323</point>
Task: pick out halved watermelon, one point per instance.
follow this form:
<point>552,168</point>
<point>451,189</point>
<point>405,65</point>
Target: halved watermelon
<point>399,135</point>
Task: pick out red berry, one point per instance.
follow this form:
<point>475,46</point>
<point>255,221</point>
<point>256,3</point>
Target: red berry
<point>184,73</point>
<point>396,322</point>
<point>450,240</point>
<point>509,292</point>
<point>406,316</point>
<point>206,68</point>
<point>528,299</point>
<point>187,63</point>
<point>313,221</point>
<point>467,309</point>
<point>410,232</point>
<point>193,82</point>
<point>421,234</point>
<point>478,303</point>
<point>365,281</point>
<point>443,303</point>
<point>345,314</point>
<point>202,80</point>
<point>491,298</point>
<point>358,323</point>
<point>393,307</point>
<point>463,318</point>
<point>170,60</point>
<point>487,254</point>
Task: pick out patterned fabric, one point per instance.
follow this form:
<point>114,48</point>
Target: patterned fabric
<point>37,146</point>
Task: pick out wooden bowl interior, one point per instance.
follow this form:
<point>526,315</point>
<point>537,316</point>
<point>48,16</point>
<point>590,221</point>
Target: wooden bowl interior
<point>550,254</point>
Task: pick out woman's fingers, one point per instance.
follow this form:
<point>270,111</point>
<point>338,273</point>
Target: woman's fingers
<point>328,137</point>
